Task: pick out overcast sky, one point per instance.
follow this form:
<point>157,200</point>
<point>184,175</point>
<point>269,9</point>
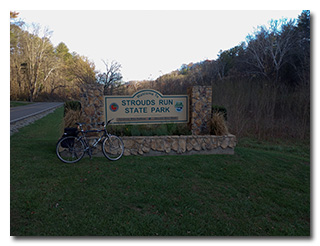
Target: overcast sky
<point>149,43</point>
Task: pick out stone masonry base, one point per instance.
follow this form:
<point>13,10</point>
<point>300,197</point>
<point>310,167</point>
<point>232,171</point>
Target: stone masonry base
<point>177,145</point>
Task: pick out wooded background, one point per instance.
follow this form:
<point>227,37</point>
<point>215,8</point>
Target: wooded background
<point>264,83</point>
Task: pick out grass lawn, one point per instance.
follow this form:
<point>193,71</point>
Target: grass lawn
<point>16,104</point>
<point>261,190</point>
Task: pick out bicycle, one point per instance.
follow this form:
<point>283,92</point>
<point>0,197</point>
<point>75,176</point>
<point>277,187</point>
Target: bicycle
<point>73,145</point>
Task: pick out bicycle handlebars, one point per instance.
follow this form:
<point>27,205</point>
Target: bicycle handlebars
<point>99,124</point>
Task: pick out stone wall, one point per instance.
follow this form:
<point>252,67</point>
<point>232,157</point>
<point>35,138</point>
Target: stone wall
<point>92,105</point>
<point>200,99</point>
<point>173,145</point>
<point>200,142</point>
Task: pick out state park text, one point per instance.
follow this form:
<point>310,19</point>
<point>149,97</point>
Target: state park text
<point>140,106</point>
<point>146,107</point>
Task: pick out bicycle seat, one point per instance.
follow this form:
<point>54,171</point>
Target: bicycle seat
<point>109,121</point>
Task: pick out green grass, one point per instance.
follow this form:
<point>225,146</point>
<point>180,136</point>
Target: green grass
<point>16,103</point>
<point>261,190</point>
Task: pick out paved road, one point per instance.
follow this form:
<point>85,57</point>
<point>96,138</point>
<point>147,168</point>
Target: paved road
<point>21,112</point>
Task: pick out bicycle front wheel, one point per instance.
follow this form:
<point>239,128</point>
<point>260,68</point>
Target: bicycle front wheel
<point>70,149</point>
<point>113,147</point>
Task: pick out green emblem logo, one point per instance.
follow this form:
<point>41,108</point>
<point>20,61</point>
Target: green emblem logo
<point>179,106</point>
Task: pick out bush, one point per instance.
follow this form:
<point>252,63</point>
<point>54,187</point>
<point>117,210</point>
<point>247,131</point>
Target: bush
<point>220,109</point>
<point>150,130</point>
<point>218,125</point>
<point>72,113</point>
<point>71,117</point>
<point>72,105</point>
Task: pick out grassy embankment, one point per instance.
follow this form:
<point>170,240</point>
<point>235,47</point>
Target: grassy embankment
<point>18,103</point>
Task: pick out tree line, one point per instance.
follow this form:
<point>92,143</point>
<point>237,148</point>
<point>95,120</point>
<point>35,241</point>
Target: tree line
<point>277,54</point>
<point>264,82</point>
<point>40,71</point>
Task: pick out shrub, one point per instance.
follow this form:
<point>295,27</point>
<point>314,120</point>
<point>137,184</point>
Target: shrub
<point>71,105</point>
<point>218,125</point>
<point>220,109</point>
<point>161,130</point>
<point>150,130</point>
<point>71,117</point>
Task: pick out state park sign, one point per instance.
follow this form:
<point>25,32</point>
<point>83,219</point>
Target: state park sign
<point>147,107</point>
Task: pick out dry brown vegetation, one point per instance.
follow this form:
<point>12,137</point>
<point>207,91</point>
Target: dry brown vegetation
<point>71,117</point>
<point>218,125</point>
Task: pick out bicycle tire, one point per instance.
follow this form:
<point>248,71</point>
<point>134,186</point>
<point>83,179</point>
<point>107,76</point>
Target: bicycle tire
<point>70,149</point>
<point>113,148</point>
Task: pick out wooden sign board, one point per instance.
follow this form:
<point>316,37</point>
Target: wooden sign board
<point>147,107</point>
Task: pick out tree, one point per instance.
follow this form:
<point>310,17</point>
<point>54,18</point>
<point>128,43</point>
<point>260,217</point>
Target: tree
<point>227,60</point>
<point>16,87</point>
<point>39,69</point>
<point>74,71</point>
<point>15,27</point>
<point>300,55</point>
<point>62,51</point>
<point>39,62</point>
<point>268,48</point>
<point>256,51</point>
<point>111,78</point>
<point>32,61</point>
<point>82,70</point>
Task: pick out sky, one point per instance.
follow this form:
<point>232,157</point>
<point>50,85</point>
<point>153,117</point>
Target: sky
<point>147,43</point>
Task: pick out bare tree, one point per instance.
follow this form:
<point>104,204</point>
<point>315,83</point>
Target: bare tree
<point>269,47</point>
<point>111,78</point>
<point>37,64</point>
<point>257,52</point>
<point>280,42</point>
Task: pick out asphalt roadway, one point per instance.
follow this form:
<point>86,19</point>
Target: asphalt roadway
<point>22,112</point>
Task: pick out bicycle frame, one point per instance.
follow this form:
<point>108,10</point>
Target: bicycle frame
<point>112,145</point>
<point>84,137</point>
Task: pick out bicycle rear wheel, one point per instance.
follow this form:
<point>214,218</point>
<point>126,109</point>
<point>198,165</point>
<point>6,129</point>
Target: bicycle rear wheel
<point>113,147</point>
<point>70,149</point>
